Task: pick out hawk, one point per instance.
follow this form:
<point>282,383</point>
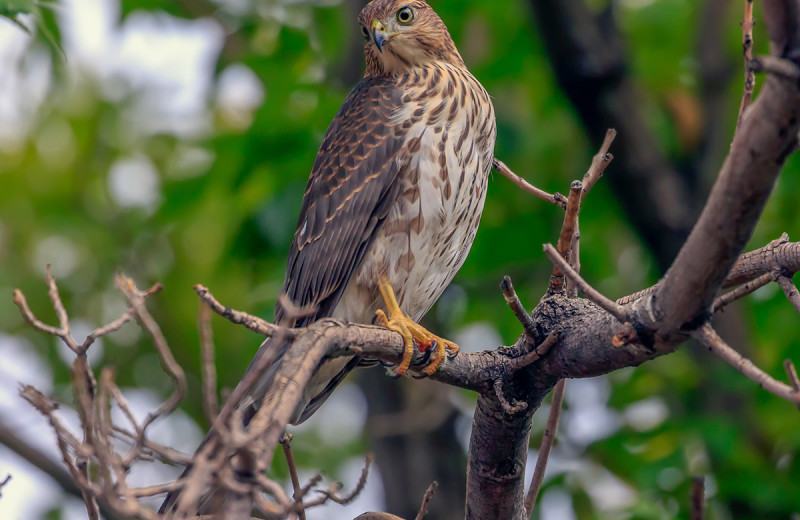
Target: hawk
<point>394,198</point>
<point>396,191</point>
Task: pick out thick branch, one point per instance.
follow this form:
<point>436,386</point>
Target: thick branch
<point>767,135</point>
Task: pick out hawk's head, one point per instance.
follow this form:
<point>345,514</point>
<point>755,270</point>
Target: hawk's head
<point>403,34</point>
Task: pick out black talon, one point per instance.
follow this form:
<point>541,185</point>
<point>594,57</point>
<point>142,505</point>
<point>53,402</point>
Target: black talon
<point>426,354</point>
<point>393,375</point>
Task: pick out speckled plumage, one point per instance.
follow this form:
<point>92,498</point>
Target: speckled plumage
<point>398,185</point>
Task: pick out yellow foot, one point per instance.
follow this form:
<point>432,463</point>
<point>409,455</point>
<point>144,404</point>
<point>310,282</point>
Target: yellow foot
<point>412,332</point>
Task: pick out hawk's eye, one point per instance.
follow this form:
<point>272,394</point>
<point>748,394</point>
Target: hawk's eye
<point>405,15</point>
<point>365,32</point>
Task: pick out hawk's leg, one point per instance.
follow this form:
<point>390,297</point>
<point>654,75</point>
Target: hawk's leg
<point>411,332</point>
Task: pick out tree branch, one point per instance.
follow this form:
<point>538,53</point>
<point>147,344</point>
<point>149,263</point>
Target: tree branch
<point>710,339</point>
<point>544,450</point>
<point>554,198</point>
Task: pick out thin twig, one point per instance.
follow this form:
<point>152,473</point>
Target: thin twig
<point>513,301</point>
<point>209,374</point>
<point>149,491</point>
<point>163,453</point>
<point>312,482</point>
<point>742,291</point>
<point>711,340</point>
<point>747,50</point>
<point>698,498</point>
<point>294,312</point>
<point>116,324</point>
<point>535,354</point>
<point>575,258</point>
<point>251,322</point>
<point>789,290</point>
<point>423,508</point>
<point>58,305</point>
<point>275,490</point>
<point>791,373</point>
<point>333,495</point>
<point>27,314</point>
<point>548,439</point>
<point>510,408</point>
<point>568,227</point>
<point>136,301</point>
<point>8,479</point>
<point>565,238</point>
<point>286,443</point>
<point>599,162</point>
<point>554,198</point>
<point>618,311</point>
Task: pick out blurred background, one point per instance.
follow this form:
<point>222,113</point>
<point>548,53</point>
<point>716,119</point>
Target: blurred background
<point>172,141</point>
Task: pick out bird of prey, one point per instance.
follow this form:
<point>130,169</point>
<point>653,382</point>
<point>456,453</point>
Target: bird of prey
<point>395,195</point>
<point>396,191</point>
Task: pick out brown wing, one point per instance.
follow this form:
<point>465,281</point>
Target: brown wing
<point>347,198</point>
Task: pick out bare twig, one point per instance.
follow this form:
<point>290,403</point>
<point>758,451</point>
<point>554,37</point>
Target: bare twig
<point>209,375</point>
<point>118,323</point>
<point>698,498</point>
<point>294,312</point>
<point>286,443</point>
<point>136,301</point>
<point>791,373</point>
<point>423,508</point>
<point>599,162</point>
<point>618,311</point>
<point>253,323</point>
<point>153,449</point>
<point>571,217</point>
<point>710,339</point>
<point>575,259</point>
<point>58,305</point>
<point>548,439</point>
<point>512,299</point>
<point>333,495</point>
<point>535,354</point>
<point>785,281</point>
<point>747,50</point>
<point>566,236</point>
<point>25,310</point>
<point>509,407</point>
<point>555,198</point>
<point>742,291</point>
<point>8,479</point>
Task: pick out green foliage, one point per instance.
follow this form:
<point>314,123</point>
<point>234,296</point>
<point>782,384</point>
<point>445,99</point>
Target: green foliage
<point>228,201</point>
<point>12,10</point>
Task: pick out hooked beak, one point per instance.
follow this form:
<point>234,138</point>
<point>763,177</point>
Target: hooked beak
<point>379,35</point>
